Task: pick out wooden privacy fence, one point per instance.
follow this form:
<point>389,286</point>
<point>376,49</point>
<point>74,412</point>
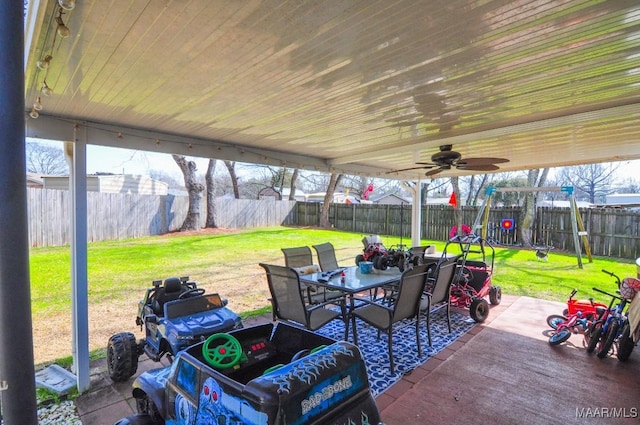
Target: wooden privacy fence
<point>611,232</point>
<point>119,216</point>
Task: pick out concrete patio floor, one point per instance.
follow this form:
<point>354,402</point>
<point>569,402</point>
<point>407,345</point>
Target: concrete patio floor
<point>501,372</point>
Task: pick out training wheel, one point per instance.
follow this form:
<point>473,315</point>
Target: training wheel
<point>222,351</point>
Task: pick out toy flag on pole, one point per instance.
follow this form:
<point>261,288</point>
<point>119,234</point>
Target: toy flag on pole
<point>452,200</point>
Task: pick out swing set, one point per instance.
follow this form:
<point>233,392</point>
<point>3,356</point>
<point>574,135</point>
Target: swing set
<point>577,225</point>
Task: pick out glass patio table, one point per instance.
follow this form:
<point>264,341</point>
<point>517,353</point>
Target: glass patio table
<point>354,281</point>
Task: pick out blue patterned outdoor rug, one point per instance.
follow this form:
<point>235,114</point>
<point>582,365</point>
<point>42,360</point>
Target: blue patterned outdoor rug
<point>405,352</point>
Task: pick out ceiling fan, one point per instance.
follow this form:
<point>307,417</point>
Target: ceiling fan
<point>447,159</point>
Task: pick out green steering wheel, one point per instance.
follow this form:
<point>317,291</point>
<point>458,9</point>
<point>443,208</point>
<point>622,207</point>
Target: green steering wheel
<point>222,351</point>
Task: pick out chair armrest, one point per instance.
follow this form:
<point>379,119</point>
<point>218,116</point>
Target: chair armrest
<point>336,301</point>
<point>370,302</point>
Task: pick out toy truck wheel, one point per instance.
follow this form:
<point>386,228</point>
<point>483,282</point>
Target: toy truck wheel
<point>359,259</point>
<point>145,406</point>
<point>479,310</point>
<point>122,356</point>
<point>495,295</point>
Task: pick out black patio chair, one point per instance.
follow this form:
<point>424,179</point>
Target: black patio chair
<point>439,289</point>
<point>326,256</point>
<point>301,259</point>
<point>289,305</point>
<point>406,306</point>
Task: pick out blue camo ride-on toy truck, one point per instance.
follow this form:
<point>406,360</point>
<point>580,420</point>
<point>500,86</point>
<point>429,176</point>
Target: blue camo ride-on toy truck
<point>174,314</point>
<point>262,375</point>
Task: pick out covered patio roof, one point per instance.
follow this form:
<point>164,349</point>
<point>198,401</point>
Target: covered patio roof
<point>359,87</point>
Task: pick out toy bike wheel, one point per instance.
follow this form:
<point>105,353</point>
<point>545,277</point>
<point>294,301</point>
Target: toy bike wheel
<point>607,339</point>
<point>592,336</point>
<point>625,346</point>
<point>554,320</point>
<point>559,337</point>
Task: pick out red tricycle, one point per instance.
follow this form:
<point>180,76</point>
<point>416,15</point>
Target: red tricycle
<point>472,282</point>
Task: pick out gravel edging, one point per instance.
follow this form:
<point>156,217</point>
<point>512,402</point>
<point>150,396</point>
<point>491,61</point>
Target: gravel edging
<point>63,413</point>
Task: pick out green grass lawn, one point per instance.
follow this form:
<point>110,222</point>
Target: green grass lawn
<point>118,267</point>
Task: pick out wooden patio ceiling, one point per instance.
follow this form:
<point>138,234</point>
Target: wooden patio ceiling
<point>355,86</point>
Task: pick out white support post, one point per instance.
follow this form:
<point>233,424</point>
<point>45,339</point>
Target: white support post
<point>416,211</point>
<point>76,153</point>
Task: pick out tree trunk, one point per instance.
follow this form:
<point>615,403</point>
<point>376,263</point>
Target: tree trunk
<point>535,178</point>
<point>234,178</point>
<point>292,191</point>
<point>188,168</point>
<point>328,197</point>
<point>211,195</point>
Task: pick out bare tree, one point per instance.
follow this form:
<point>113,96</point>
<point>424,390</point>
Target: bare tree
<point>535,178</point>
<point>231,166</point>
<point>328,197</point>
<point>210,182</point>
<point>44,159</point>
<point>593,181</point>
<point>194,189</point>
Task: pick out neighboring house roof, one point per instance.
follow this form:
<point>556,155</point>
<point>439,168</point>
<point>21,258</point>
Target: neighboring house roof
<point>34,180</point>
<point>390,199</point>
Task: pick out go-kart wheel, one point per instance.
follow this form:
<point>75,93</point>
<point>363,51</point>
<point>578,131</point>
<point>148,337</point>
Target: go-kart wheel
<point>495,295</point>
<point>479,310</point>
<point>222,351</point>
<point>559,337</point>
<point>192,293</point>
<point>554,320</point>
<point>359,259</point>
<point>592,336</point>
<point>625,345</point>
<point>122,356</point>
<point>607,340</point>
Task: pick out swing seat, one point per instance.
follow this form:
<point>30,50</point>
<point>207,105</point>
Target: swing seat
<point>542,252</point>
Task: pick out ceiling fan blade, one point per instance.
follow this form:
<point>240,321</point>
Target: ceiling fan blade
<point>481,161</point>
<point>427,164</point>
<point>479,167</point>
<point>433,172</point>
<point>406,169</point>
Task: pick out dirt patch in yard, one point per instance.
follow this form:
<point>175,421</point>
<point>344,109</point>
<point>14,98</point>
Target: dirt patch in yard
<point>245,287</point>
